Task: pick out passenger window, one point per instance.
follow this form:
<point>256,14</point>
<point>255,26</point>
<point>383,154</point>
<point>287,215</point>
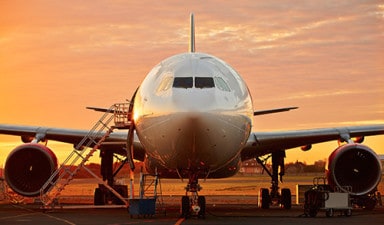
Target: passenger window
<point>204,82</point>
<point>221,84</point>
<point>183,82</point>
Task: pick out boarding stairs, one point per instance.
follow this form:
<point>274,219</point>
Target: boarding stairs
<point>116,117</point>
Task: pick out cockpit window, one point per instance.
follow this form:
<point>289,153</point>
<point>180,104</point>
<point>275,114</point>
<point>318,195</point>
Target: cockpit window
<point>204,82</point>
<point>165,84</point>
<point>183,82</point>
<point>197,82</point>
<point>221,84</point>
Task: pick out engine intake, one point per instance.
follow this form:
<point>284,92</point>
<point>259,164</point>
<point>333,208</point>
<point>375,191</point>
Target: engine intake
<point>356,166</point>
<point>28,167</point>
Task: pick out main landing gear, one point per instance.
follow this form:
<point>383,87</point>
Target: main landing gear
<point>274,197</point>
<point>193,205</point>
<point>102,195</point>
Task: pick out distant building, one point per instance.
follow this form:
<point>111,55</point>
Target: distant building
<point>251,167</point>
<point>320,163</point>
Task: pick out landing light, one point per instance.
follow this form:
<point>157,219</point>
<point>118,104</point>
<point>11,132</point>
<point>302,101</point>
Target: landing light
<point>196,208</point>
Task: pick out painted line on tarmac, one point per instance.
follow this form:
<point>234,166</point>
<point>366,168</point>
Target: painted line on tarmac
<point>59,219</point>
<point>17,216</point>
<point>180,221</point>
<point>34,213</point>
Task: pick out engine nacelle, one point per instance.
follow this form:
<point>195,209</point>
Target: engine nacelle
<point>356,166</point>
<point>28,167</point>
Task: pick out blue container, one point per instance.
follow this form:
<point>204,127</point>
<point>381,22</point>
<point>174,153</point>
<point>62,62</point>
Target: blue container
<point>142,207</point>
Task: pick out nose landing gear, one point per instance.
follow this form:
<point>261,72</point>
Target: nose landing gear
<point>193,205</point>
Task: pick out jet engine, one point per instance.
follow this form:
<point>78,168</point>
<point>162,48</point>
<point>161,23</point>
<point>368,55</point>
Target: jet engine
<point>28,167</point>
<point>356,167</point>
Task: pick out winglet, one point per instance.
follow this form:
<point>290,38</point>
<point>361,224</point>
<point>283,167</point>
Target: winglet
<point>97,109</point>
<point>192,35</point>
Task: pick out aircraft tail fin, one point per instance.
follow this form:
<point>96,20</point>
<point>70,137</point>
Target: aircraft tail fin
<point>192,35</point>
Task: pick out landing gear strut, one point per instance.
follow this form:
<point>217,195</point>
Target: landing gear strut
<point>102,195</point>
<point>274,197</point>
<point>193,205</point>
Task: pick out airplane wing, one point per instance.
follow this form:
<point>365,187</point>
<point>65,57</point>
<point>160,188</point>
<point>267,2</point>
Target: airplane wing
<point>261,143</point>
<point>116,141</point>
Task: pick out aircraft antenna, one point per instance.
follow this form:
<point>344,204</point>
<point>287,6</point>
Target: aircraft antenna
<point>192,37</point>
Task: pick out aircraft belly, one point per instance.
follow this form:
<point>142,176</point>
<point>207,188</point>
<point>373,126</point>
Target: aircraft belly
<point>194,141</point>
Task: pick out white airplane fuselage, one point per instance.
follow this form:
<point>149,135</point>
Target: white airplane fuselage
<point>193,112</point>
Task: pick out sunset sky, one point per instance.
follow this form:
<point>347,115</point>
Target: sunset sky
<point>326,57</point>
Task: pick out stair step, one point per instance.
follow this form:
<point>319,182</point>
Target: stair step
<point>96,136</point>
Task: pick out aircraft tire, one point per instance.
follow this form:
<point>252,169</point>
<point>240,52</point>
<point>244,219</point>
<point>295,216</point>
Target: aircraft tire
<point>201,202</point>
<point>99,197</point>
<point>286,198</point>
<point>185,207</point>
<point>264,201</point>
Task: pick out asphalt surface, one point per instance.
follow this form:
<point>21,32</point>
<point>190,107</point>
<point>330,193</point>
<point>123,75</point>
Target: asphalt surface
<point>216,214</point>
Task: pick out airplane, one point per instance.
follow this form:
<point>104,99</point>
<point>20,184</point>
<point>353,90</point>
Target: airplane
<point>192,118</point>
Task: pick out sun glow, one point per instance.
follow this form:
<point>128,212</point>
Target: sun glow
<point>74,54</point>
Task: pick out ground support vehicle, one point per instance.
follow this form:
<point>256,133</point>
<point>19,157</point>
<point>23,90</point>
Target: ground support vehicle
<point>321,197</point>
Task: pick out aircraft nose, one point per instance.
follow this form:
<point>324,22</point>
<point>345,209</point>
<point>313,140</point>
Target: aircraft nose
<point>193,101</point>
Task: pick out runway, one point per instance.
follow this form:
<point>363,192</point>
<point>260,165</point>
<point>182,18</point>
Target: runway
<point>216,214</point>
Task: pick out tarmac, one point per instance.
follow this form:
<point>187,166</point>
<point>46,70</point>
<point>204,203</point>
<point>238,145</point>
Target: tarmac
<point>216,214</point>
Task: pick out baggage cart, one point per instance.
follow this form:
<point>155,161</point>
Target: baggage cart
<point>322,197</point>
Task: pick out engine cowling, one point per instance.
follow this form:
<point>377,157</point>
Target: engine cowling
<point>28,167</point>
<point>356,166</point>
